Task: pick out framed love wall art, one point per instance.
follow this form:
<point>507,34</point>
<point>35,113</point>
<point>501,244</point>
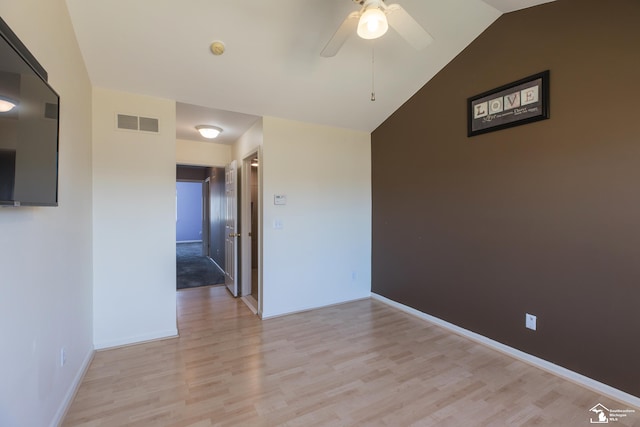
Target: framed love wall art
<point>514,104</point>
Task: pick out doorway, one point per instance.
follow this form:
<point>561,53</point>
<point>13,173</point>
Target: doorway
<point>251,226</point>
<point>198,217</point>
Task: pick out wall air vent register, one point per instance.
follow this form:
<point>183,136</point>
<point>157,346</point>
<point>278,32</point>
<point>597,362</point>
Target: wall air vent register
<point>136,123</point>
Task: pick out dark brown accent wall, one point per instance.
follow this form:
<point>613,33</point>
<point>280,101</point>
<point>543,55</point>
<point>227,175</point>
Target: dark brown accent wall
<point>542,218</point>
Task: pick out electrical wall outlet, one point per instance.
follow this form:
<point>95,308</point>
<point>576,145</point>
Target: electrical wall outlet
<point>63,357</point>
<point>530,321</point>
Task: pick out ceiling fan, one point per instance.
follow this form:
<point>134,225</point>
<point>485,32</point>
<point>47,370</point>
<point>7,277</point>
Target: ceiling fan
<point>372,21</point>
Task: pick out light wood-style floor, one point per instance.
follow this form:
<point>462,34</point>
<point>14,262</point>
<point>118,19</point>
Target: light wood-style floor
<point>360,363</point>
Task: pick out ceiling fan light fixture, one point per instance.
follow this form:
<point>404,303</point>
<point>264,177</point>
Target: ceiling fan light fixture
<point>208,131</point>
<point>372,24</point>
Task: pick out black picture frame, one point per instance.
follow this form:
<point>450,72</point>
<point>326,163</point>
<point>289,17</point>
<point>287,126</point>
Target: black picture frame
<point>514,104</point>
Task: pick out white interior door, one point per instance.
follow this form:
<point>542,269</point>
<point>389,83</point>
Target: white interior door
<point>231,228</point>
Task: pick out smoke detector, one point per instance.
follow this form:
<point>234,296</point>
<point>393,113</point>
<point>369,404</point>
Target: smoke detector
<point>217,48</point>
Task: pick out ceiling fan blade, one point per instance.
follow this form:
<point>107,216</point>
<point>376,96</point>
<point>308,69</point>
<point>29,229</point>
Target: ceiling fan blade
<point>407,27</point>
<point>347,28</point>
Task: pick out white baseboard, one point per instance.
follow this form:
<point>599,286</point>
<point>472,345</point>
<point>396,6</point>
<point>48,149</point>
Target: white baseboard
<point>216,264</point>
<point>162,335</point>
<point>73,389</point>
<point>304,309</point>
<point>565,373</point>
<point>249,303</point>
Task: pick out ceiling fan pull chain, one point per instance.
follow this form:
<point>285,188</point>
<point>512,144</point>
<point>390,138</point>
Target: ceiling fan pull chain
<point>373,88</point>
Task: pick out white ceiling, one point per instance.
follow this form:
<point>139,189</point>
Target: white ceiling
<point>272,64</point>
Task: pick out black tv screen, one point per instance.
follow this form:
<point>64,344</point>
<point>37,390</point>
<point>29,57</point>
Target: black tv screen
<point>28,127</point>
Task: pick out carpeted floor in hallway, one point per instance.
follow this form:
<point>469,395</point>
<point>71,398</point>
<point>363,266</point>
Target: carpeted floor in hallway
<point>194,269</point>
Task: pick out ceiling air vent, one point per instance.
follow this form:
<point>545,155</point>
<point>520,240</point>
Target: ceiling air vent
<point>141,124</point>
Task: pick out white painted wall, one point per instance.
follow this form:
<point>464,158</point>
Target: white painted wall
<point>322,255</point>
<point>198,153</point>
<point>45,253</point>
<point>248,142</point>
<point>134,177</point>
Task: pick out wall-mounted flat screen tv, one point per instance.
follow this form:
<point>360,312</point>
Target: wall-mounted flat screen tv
<point>28,127</point>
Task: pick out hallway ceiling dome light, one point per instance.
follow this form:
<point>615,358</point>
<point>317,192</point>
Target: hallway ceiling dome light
<point>208,131</point>
<point>373,23</point>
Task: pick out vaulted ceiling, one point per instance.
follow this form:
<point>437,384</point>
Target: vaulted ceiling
<point>272,64</point>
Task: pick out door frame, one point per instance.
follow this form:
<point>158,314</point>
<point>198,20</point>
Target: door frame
<point>245,225</point>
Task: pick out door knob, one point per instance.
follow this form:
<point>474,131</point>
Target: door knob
<point>234,235</point>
